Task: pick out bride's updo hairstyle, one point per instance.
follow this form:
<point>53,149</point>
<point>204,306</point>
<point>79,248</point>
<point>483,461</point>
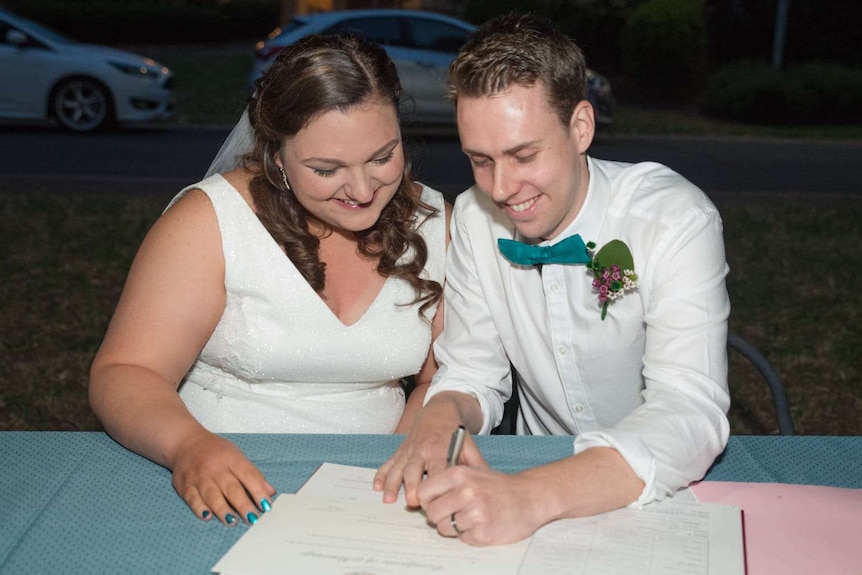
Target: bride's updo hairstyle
<point>312,76</point>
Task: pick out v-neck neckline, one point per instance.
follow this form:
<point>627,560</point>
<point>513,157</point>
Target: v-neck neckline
<point>262,229</point>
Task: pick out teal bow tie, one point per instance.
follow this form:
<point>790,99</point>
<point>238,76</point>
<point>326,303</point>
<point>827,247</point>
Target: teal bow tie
<point>569,251</point>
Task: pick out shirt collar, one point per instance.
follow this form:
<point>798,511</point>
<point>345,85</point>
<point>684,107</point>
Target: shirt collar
<point>590,219</point>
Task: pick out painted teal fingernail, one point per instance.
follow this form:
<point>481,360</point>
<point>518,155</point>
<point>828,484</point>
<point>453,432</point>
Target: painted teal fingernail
<point>205,514</point>
<point>264,504</point>
<point>252,518</point>
<point>229,519</point>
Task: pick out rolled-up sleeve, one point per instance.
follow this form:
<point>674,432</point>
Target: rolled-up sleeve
<point>674,436</point>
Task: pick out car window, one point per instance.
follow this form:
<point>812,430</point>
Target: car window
<point>384,30</point>
<point>50,34</point>
<point>6,27</point>
<point>436,36</point>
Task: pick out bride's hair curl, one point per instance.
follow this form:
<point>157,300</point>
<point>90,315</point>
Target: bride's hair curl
<point>315,75</point>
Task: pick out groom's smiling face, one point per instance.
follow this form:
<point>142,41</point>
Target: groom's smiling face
<point>525,159</point>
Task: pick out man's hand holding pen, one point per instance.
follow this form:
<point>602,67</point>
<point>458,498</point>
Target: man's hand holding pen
<point>443,472</point>
<point>478,505</point>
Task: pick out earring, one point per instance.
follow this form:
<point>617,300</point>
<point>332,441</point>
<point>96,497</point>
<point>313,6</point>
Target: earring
<point>284,178</point>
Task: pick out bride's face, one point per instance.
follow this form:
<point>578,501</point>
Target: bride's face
<point>344,167</point>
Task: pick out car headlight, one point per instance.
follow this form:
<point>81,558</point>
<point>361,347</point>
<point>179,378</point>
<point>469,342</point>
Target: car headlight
<point>141,70</point>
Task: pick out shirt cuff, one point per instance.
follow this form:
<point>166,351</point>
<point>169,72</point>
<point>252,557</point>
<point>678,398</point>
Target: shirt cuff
<point>633,450</point>
<point>488,413</point>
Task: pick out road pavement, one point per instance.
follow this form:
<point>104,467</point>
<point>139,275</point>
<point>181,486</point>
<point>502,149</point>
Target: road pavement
<point>162,160</point>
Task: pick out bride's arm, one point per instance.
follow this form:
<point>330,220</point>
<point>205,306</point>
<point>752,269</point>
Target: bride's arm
<point>422,379</point>
<point>171,303</point>
<point>429,368</point>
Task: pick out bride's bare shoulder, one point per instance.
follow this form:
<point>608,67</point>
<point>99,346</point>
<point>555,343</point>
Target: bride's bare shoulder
<point>240,178</point>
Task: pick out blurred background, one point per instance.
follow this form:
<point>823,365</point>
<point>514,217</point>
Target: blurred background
<point>764,61</point>
<point>759,102</point>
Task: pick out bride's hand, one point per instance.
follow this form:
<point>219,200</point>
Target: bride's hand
<point>216,479</point>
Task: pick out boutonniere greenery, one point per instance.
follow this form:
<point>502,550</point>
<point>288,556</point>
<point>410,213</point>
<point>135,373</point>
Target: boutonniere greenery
<point>614,272</point>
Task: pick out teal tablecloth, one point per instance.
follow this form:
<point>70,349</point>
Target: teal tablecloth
<point>78,503</point>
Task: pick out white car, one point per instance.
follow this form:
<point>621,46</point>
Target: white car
<point>84,87</point>
<point>422,45</point>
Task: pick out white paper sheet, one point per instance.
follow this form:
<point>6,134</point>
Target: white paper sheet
<point>310,535</point>
<point>345,482</point>
<point>336,524</point>
<point>668,538</point>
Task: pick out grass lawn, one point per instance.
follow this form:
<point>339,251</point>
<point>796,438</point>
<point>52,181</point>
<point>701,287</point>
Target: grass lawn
<point>793,286</point>
<point>793,283</point>
<point>794,294</point>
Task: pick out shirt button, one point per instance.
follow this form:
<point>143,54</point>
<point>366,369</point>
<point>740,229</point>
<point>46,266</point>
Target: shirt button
<point>555,287</point>
<point>561,350</point>
<point>579,408</point>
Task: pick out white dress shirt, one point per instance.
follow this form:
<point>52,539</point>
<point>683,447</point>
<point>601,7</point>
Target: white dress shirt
<point>651,379</point>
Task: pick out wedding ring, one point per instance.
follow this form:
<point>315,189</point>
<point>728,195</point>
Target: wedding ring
<point>455,525</point>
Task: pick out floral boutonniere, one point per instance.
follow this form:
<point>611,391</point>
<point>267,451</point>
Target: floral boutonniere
<point>614,271</point>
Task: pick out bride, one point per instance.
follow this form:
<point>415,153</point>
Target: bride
<point>291,290</point>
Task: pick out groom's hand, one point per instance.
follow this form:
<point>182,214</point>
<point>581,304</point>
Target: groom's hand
<point>425,448</point>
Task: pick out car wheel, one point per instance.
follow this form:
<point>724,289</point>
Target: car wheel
<point>82,105</point>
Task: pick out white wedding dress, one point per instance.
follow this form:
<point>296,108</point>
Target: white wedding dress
<point>280,361</point>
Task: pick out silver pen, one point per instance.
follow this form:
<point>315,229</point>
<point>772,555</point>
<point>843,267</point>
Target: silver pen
<point>455,446</point>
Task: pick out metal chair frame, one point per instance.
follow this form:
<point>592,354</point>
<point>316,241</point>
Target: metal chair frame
<point>776,388</point>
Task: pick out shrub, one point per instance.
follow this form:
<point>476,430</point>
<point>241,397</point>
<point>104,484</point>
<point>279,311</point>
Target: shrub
<point>595,25</point>
<point>152,21</point>
<point>817,30</point>
<point>812,93</point>
<point>664,46</point>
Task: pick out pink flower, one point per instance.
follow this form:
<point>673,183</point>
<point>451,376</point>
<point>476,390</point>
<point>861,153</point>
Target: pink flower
<point>611,281</point>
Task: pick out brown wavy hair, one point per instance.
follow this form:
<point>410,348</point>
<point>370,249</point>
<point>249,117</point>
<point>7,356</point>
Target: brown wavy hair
<point>318,74</point>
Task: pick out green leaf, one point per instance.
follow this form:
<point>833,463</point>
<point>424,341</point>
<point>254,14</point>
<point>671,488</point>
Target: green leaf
<point>616,252</point>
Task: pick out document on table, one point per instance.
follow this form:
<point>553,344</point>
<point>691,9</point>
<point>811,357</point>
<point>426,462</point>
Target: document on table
<point>345,482</point>
<point>667,538</point>
<point>336,524</point>
<point>794,529</point>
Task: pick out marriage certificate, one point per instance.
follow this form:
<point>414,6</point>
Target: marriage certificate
<point>337,525</point>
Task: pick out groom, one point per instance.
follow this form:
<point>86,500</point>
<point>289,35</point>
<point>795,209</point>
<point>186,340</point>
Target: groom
<point>601,283</point>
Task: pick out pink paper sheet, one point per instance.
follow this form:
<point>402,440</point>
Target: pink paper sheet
<point>794,529</point>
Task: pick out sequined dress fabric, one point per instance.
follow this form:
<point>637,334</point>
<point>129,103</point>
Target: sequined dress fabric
<point>280,361</point>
